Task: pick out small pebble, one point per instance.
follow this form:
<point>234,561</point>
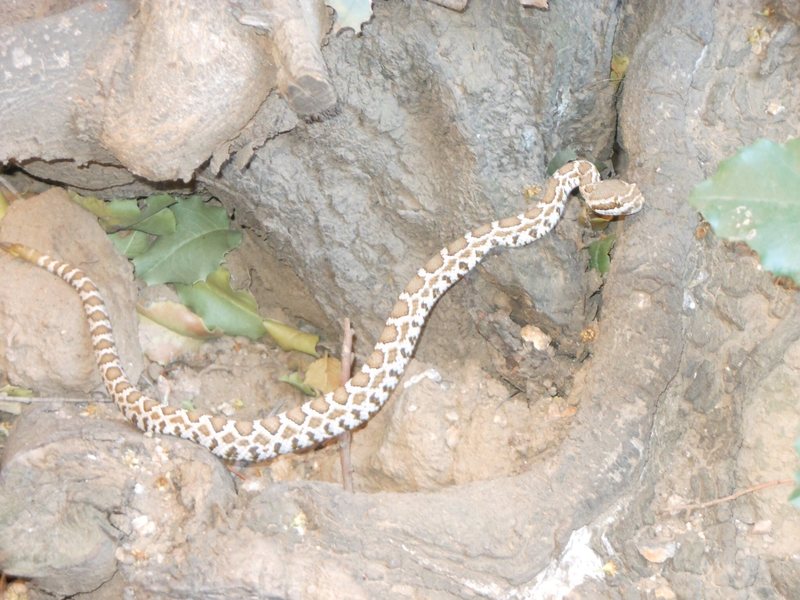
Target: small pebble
<point>535,336</point>
<point>657,553</point>
<point>762,527</point>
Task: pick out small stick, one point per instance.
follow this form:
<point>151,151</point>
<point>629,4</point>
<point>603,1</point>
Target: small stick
<point>734,496</point>
<point>235,473</point>
<point>347,436</point>
<point>457,5</point>
<point>37,400</point>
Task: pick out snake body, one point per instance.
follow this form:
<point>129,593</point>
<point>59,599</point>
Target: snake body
<point>354,403</point>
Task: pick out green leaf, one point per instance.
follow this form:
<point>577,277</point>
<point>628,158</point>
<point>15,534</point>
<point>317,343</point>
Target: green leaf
<point>178,319</point>
<point>161,223</point>
<point>754,197</point>
<point>155,219</point>
<point>130,243</point>
<point>222,307</point>
<point>350,14</point>
<point>295,380</point>
<point>619,66</point>
<point>599,250</point>
<point>236,313</point>
<point>113,214</point>
<point>196,247</point>
<point>289,338</point>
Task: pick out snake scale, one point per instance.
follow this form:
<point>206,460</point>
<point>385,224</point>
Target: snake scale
<point>354,403</point>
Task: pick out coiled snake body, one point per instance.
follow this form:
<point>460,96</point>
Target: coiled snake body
<point>365,393</point>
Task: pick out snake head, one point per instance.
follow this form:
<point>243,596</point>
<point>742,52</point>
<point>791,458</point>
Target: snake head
<point>613,197</point>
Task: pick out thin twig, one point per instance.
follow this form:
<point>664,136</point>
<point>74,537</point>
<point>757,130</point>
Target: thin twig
<point>38,400</point>
<point>457,5</point>
<point>235,473</point>
<point>734,496</point>
<point>347,436</point>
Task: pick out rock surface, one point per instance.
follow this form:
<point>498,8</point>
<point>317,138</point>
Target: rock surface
<point>46,342</point>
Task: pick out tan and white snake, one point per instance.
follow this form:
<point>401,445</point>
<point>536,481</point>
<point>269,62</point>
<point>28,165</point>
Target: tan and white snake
<point>354,403</point>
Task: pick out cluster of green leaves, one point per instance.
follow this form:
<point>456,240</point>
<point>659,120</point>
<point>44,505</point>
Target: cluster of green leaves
<point>183,241</point>
<point>170,240</point>
<point>236,313</point>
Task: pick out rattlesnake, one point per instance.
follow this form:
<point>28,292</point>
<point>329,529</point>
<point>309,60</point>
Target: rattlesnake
<point>354,403</point>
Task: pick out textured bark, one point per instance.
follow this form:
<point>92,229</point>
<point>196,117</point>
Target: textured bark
<point>296,28</point>
<point>149,88</point>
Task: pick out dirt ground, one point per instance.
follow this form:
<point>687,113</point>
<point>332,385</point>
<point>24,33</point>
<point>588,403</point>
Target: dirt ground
<point>558,435</point>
